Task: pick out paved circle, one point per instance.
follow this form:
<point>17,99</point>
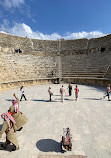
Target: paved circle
<point>89,119</point>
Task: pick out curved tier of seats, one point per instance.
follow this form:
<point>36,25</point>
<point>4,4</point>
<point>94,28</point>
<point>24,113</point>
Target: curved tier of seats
<point>70,60</point>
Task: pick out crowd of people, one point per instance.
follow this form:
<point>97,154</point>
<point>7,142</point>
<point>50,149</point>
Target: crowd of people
<point>63,92</point>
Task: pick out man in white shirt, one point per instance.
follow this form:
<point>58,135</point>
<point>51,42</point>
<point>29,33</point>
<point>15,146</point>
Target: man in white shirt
<point>62,92</point>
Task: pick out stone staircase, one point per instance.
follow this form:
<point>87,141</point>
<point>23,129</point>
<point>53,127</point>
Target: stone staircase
<point>27,66</point>
<point>87,65</point>
<point>7,72</point>
<point>15,67</point>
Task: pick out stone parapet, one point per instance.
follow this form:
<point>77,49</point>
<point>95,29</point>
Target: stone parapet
<point>98,43</point>
<point>78,46</point>
<point>18,84</point>
<point>88,81</point>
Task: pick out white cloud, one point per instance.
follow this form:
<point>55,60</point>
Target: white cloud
<point>11,3</point>
<point>24,30</point>
<point>4,26</point>
<point>79,35</point>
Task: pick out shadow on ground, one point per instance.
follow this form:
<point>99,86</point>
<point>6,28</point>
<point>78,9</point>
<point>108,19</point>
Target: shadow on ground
<point>9,99</point>
<point>69,99</point>
<point>92,98</point>
<point>40,100</point>
<point>0,146</point>
<point>49,145</point>
<point>56,95</point>
<point>9,147</point>
<point>44,100</point>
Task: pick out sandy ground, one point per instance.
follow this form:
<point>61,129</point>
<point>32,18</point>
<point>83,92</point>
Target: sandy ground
<point>89,119</point>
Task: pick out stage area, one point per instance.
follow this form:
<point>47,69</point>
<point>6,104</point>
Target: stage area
<point>89,119</point>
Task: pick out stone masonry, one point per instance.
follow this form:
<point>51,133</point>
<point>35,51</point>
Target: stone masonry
<point>80,58</point>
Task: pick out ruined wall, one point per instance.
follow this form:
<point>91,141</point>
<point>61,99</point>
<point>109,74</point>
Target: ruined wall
<point>66,47</point>
<point>9,41</point>
<point>27,44</point>
<point>66,58</point>
<point>96,44</point>
<point>71,47</point>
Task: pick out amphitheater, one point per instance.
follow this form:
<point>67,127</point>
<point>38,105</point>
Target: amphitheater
<point>83,62</point>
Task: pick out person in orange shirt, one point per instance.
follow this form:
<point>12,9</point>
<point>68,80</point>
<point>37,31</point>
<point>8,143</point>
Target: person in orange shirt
<point>76,92</point>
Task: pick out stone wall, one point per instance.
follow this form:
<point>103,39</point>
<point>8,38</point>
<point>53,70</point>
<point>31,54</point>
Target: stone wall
<point>63,47</point>
<point>78,44</point>
<point>9,41</point>
<point>27,44</point>
<point>18,84</point>
<point>67,58</point>
<point>45,46</point>
<point>22,66</point>
<point>88,81</point>
<point>98,43</point>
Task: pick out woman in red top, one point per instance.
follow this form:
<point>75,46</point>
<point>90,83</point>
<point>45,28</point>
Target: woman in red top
<point>76,92</point>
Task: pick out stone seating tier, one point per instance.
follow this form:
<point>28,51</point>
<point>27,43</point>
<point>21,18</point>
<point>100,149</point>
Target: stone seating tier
<point>66,58</point>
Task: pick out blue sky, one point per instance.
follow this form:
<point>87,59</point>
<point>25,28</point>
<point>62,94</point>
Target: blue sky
<point>55,19</point>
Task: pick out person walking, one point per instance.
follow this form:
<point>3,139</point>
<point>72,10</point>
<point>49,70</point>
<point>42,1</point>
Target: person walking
<point>107,92</point>
<point>22,94</point>
<point>76,92</point>
<point>62,92</point>
<point>70,89</point>
<point>50,93</point>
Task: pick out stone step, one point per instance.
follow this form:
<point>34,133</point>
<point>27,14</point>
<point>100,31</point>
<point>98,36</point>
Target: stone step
<point>100,76</point>
<point>61,156</point>
<point>83,72</point>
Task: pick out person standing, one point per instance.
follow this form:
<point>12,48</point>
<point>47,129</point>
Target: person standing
<point>70,89</point>
<point>52,73</point>
<point>108,92</point>
<point>76,92</point>
<point>62,92</point>
<point>50,93</point>
<point>22,93</point>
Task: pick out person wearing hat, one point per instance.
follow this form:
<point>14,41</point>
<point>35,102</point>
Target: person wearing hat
<point>19,117</point>
<point>9,126</point>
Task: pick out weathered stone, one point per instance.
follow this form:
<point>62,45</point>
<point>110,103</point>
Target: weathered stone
<point>82,60</point>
